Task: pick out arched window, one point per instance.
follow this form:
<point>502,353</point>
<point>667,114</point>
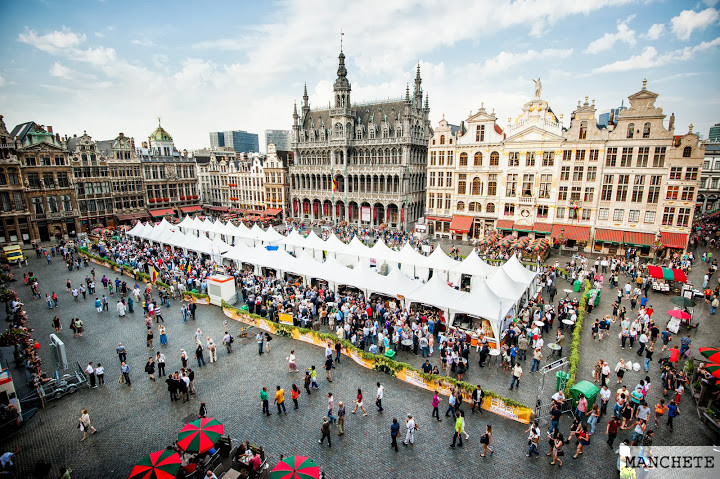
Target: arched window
<point>494,158</point>
<point>461,206</point>
<point>631,130</point>
<point>463,159</point>
<point>442,139</point>
<point>477,159</point>
<point>646,130</point>
<point>490,208</point>
<point>475,207</point>
<point>583,130</point>
<point>476,188</point>
<point>687,152</point>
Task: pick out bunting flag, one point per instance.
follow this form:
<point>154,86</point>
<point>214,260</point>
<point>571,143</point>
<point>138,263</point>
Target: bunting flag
<point>154,274</point>
<point>189,267</point>
<point>335,184</point>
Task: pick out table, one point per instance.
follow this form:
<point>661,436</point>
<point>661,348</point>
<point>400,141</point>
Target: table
<point>231,474</point>
<point>554,347</point>
<point>539,324</point>
<point>569,322</point>
<point>406,344</point>
<point>493,354</point>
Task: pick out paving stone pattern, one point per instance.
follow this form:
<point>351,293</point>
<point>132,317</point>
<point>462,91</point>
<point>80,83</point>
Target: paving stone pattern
<point>135,420</point>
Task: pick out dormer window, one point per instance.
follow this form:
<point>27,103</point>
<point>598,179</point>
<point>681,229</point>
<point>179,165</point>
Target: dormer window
<point>646,130</point>
<point>630,130</point>
<point>687,152</point>
<point>583,130</point>
<point>442,139</point>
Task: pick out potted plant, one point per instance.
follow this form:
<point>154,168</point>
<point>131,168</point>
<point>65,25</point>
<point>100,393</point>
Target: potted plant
<point>151,200</point>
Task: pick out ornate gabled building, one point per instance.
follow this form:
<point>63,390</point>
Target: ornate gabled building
<point>126,181</point>
<point>49,191</point>
<point>363,163</point>
<point>277,191</point>
<point>632,183</point>
<point>232,182</point>
<point>169,177</point>
<point>92,183</point>
<point>15,224</point>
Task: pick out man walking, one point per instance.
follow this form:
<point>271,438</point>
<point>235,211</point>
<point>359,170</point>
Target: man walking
<point>260,338</point>
<point>121,352</point>
<point>517,374</point>
<point>394,431</point>
<point>379,397</point>
<point>90,371</point>
<point>325,430</point>
<point>410,434</point>
<point>341,419</point>
<point>227,341</point>
<point>331,406</point>
<point>280,399</point>
<point>160,359</point>
<point>265,400</point>
<point>125,370</point>
<point>458,430</point>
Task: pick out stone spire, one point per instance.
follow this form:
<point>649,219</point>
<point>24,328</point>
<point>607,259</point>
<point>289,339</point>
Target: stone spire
<point>305,96</point>
<point>341,88</point>
<point>407,93</point>
<point>418,86</point>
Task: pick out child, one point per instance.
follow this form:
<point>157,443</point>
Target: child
<point>313,378</point>
<point>678,393</point>
<point>660,409</point>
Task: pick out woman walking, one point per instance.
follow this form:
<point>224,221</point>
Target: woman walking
<point>163,335</point>
<point>593,419</point>
<point>557,451</point>
<point>359,403</point>
<point>486,440</point>
<point>79,328</point>
<point>149,338</point>
<point>582,438</point>
<point>292,364</point>
<point>85,425</point>
<point>56,324</point>
<point>150,368</point>
<point>294,393</point>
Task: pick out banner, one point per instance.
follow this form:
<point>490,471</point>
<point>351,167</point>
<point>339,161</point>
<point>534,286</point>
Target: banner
<point>365,213</point>
<point>285,318</point>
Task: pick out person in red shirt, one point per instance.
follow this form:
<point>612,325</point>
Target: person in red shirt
<point>256,462</point>
<point>674,354</point>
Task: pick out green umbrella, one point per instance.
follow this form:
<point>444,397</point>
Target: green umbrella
<point>159,465</point>
<point>296,467</point>
<point>683,302</point>
<point>200,435</point>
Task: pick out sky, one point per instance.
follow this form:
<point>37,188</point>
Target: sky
<point>116,66</point>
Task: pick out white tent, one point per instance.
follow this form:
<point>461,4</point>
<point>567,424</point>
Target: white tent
<point>256,234</point>
<point>218,245</point>
<point>358,248</point>
<point>441,263</point>
<point>483,303</point>
<point>240,253</point>
<point>520,273</point>
<point>201,244</point>
<point>135,229</point>
<point>292,242</point>
<point>244,235</point>
<point>271,236</point>
<point>177,239</point>
<point>146,231</point>
<point>314,243</point>
<point>412,263</point>
<point>437,293</point>
<point>505,287</point>
<point>187,224</point>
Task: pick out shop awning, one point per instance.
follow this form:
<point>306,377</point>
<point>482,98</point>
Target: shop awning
<point>670,274</point>
<point>674,240</point>
<point>255,212</point>
<point>713,215</point>
<point>191,209</point>
<point>542,227</point>
<point>162,212</point>
<point>636,238</point>
<point>437,218</point>
<point>221,209</point>
<point>523,228</point>
<point>572,232</point>
<point>504,224</point>
<point>461,224</point>
<point>132,216</point>
<point>609,236</point>
<point>273,211</point>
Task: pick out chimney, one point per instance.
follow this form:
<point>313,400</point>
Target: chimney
<point>671,124</point>
<point>49,129</point>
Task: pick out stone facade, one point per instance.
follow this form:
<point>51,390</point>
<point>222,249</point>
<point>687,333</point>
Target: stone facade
<point>361,163</point>
<point>232,181</point>
<point>92,183</point>
<point>169,175</point>
<point>128,190</point>
<point>595,188</point>
<point>15,224</point>
<point>708,200</point>
<point>277,190</point>
<point>49,192</point>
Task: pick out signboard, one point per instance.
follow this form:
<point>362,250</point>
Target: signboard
<point>365,213</point>
<point>421,228</point>
<point>285,318</point>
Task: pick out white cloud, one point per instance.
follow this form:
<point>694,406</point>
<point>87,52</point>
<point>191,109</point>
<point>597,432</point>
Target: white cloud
<point>649,58</point>
<point>689,20</point>
<point>143,42</point>
<point>711,3</point>
<point>53,42</point>
<point>623,34</point>
<point>655,31</point>
<point>504,61</point>
<point>61,71</point>
<point>3,81</point>
<point>99,35</point>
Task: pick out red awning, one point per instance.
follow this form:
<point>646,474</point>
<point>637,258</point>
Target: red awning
<point>191,209</point>
<point>609,236</point>
<point>273,211</point>
<point>504,224</point>
<point>542,227</point>
<point>461,224</point>
<point>572,232</point>
<point>132,216</point>
<point>437,218</point>
<point>221,209</point>
<point>636,238</point>
<point>255,212</point>
<point>162,212</point>
<point>713,215</point>
<point>674,240</point>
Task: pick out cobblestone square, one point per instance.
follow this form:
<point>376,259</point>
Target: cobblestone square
<point>135,420</point>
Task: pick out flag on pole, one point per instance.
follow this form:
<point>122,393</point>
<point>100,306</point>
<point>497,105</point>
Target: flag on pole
<point>154,273</point>
<point>334,184</point>
<point>189,267</point>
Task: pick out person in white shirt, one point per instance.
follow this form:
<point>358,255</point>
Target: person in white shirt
<point>90,371</point>
<point>212,349</point>
<point>100,373</point>
<point>410,434</point>
<point>379,397</point>
<point>227,341</point>
<point>120,308</point>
